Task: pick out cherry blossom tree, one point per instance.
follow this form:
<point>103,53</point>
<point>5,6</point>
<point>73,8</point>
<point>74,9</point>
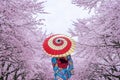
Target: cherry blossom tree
<point>98,41</point>
<point>20,40</point>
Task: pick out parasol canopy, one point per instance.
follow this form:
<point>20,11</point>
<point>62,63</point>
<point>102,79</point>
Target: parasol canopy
<point>58,45</point>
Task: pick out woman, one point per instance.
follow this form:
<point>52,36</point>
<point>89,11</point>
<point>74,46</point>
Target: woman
<point>63,67</point>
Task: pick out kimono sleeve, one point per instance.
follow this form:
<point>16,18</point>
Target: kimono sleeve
<point>70,62</point>
<point>54,64</point>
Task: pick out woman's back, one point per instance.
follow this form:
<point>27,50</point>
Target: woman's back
<point>62,62</point>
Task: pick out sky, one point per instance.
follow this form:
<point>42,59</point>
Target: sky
<point>61,16</point>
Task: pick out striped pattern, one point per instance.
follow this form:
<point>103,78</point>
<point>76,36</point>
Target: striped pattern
<point>58,45</point>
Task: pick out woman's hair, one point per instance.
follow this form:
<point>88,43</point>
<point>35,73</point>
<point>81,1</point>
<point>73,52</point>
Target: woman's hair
<point>63,60</point>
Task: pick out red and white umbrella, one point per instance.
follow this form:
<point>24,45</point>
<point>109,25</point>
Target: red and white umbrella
<point>58,45</point>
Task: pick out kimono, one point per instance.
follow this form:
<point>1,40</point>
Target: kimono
<point>62,73</point>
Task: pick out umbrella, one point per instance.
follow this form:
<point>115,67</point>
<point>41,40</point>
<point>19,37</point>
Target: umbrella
<point>58,45</point>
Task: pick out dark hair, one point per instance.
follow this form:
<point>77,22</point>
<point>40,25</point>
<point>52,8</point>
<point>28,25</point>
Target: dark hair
<point>63,60</point>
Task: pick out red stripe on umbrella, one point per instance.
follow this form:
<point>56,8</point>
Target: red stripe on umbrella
<point>58,45</point>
